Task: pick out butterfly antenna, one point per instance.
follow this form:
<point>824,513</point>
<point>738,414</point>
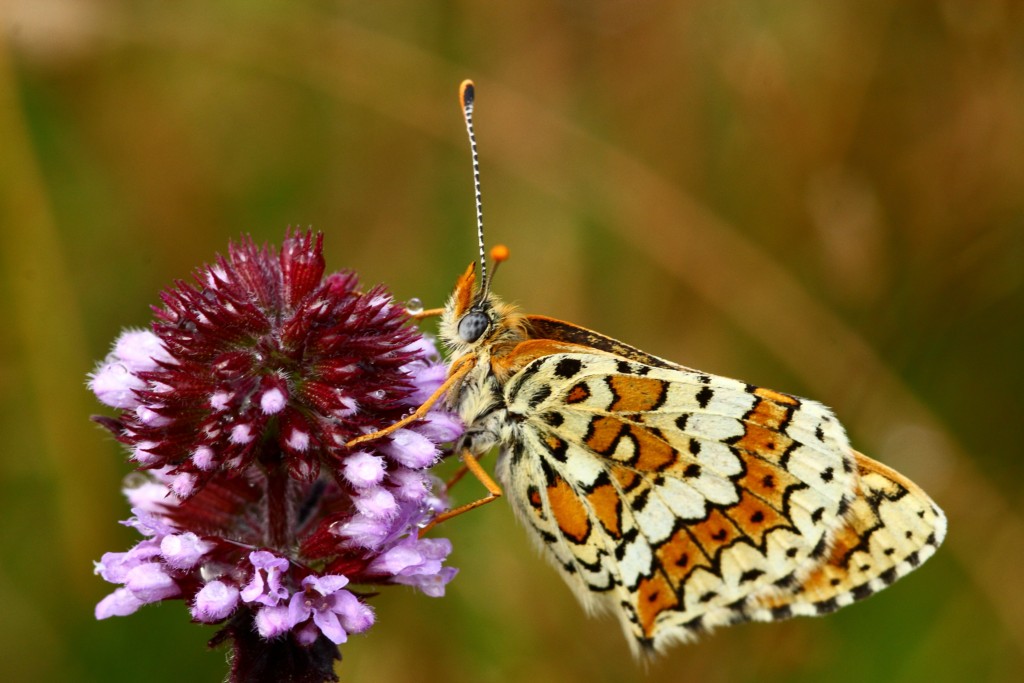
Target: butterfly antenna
<point>467,92</point>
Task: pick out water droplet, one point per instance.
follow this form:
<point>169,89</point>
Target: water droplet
<point>414,306</point>
<point>378,394</point>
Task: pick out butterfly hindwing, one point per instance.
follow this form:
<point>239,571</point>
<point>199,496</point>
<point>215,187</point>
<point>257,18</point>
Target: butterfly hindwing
<point>891,528</point>
<point>678,499</point>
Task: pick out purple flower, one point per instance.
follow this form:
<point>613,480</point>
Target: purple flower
<point>363,470</point>
<point>335,612</point>
<point>116,380</point>
<point>418,562</point>
<point>214,602</point>
<point>120,603</point>
<point>412,449</point>
<point>273,621</point>
<point>261,345</point>
<point>237,408</point>
<point>183,551</point>
<point>265,586</point>
<point>150,582</point>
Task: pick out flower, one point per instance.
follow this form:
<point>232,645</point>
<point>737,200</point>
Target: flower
<point>335,612</point>
<point>237,408</point>
<point>262,345</point>
<point>265,586</point>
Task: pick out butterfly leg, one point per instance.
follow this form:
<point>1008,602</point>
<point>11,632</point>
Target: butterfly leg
<point>457,477</point>
<point>428,313</point>
<point>458,373</point>
<point>493,491</point>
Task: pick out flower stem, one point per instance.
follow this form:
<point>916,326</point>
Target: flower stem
<point>279,522</point>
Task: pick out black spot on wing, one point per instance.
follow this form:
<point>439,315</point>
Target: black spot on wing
<point>826,606</point>
<point>750,575</point>
<point>522,376</point>
<point>862,591</point>
<point>568,367</point>
<point>739,607</point>
<point>623,546</point>
<point>540,396</point>
<point>843,507</point>
<point>517,450</point>
<point>695,625</point>
<point>640,502</point>
<point>556,447</point>
<point>552,418</point>
<point>788,582</point>
<point>704,396</point>
<point>549,474</point>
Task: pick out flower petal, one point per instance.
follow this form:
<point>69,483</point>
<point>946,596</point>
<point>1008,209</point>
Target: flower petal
<point>330,626</point>
<point>182,551</point>
<point>411,449</point>
<point>150,582</point>
<point>363,469</point>
<point>214,602</point>
<point>272,621</point>
<point>120,603</point>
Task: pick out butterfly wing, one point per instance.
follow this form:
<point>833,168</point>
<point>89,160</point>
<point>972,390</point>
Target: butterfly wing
<point>682,501</point>
<point>892,527</point>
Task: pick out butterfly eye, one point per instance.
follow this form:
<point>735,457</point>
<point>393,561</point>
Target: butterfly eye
<point>473,325</point>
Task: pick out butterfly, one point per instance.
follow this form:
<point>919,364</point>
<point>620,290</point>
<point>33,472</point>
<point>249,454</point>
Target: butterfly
<point>676,499</point>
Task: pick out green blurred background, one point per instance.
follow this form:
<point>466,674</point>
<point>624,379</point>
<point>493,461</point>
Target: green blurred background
<point>824,198</point>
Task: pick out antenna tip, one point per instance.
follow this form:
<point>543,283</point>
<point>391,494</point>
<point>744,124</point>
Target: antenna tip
<point>499,253</point>
<point>466,93</point>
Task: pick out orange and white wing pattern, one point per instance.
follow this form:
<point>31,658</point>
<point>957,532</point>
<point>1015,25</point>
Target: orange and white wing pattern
<point>892,527</point>
<point>682,501</point>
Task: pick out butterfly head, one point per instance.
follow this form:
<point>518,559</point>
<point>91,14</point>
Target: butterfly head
<point>473,316</point>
